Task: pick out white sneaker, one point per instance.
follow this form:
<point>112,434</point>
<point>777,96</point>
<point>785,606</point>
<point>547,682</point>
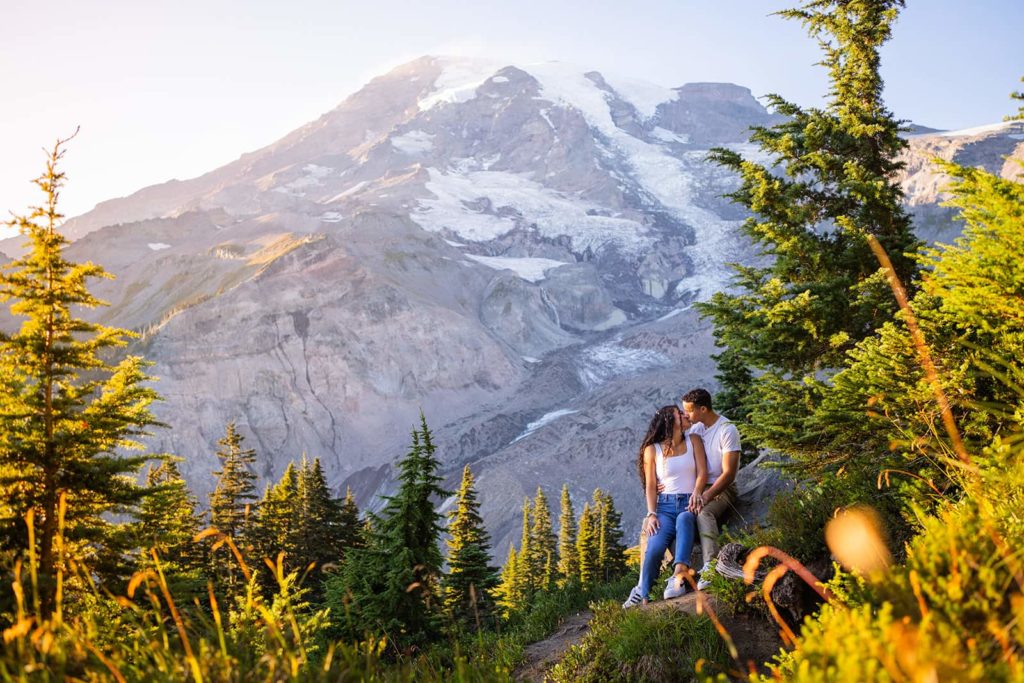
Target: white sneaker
<point>705,577</point>
<point>676,588</point>
<point>634,599</point>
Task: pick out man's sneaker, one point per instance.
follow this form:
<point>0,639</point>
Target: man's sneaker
<point>635,598</point>
<point>676,588</point>
<point>705,577</point>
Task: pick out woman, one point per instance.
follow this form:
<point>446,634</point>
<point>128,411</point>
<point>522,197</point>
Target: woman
<point>673,459</point>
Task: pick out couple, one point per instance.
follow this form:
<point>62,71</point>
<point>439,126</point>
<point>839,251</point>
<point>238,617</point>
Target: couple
<point>687,465</point>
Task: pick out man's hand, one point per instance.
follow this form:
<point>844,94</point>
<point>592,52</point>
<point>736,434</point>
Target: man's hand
<point>695,504</point>
<point>651,525</point>
<point>661,487</point>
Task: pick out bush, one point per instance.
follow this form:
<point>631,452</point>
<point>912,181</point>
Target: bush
<point>953,611</point>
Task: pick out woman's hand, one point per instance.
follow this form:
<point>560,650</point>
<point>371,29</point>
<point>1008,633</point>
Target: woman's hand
<point>696,503</point>
<point>650,526</point>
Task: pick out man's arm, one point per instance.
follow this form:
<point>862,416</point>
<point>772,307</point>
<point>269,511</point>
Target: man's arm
<point>730,464</point>
<point>730,440</point>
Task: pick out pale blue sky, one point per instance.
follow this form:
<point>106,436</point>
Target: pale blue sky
<point>173,89</point>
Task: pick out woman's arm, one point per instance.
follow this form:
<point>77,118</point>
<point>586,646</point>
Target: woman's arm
<point>650,491</point>
<point>700,458</point>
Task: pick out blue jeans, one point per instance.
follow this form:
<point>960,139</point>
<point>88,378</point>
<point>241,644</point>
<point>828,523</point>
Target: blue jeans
<point>675,523</point>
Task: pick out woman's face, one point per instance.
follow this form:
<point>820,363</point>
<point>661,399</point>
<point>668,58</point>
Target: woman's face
<point>682,420</point>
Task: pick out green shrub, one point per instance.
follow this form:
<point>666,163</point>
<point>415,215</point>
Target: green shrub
<point>953,611</point>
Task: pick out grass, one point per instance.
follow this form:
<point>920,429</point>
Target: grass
<point>642,645</point>
<point>504,650</point>
<point>147,635</point>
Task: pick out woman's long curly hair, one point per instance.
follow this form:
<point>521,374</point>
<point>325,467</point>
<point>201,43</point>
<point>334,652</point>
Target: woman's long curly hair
<point>659,431</point>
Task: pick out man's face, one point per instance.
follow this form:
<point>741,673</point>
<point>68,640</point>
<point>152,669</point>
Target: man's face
<point>693,412</point>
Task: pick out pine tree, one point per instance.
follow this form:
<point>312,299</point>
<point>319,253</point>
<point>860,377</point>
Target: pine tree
<point>168,522</point>
<point>470,582</point>
<point>821,290</point>
<point>568,558</point>
<point>587,548</point>
<point>391,584</point>
<point>67,412</point>
<point>543,543</point>
<point>611,552</point>
<point>230,503</point>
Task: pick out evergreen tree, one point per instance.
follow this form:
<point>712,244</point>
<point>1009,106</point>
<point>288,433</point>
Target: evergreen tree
<point>230,503</point>
<point>568,558</point>
<point>275,527</point>
<point>326,525</point>
<point>391,585</point>
<point>236,485</point>
<point>833,184</point>
<point>526,571</point>
<point>511,592</point>
<point>543,548</point>
<point>350,534</point>
<point>67,412</point>
<point>470,582</point>
<point>168,522</point>
<point>587,548</point>
<point>611,552</point>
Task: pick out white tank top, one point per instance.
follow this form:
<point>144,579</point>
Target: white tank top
<point>679,472</point>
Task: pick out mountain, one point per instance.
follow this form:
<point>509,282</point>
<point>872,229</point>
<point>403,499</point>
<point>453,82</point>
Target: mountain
<point>512,250</point>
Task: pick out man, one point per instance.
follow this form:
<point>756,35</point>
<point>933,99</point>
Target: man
<point>722,446</point>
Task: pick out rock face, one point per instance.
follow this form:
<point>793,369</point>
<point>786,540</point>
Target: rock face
<point>998,148</point>
<point>513,250</point>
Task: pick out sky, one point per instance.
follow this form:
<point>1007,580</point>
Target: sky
<point>164,90</point>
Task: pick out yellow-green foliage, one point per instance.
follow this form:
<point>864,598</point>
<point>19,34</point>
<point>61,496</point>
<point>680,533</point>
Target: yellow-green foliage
<point>954,610</point>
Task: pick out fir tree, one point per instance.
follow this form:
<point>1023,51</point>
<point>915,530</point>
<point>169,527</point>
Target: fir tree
<point>67,413</point>
<point>391,585</point>
<point>543,544</point>
<point>275,526</point>
<point>568,557</point>
<point>611,552</point>
<point>511,593</point>
<point>350,534</point>
<point>236,485</point>
<point>326,525</point>
<point>526,572</point>
<point>168,522</point>
<point>470,581</point>
<point>587,547</point>
<point>821,290</point>
<point>230,503</point>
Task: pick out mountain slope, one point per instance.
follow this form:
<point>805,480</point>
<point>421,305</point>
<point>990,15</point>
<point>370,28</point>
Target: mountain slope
<point>513,250</point>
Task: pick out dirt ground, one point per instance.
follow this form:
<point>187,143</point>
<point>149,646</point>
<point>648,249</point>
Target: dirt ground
<point>542,655</point>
